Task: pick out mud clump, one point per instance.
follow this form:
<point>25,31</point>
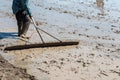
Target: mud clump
<point>9,72</point>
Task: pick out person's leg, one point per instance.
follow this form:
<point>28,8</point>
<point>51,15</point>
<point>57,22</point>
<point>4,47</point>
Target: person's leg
<point>19,22</point>
<point>26,23</point>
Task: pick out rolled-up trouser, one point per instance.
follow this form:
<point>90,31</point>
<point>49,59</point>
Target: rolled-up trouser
<point>23,22</point>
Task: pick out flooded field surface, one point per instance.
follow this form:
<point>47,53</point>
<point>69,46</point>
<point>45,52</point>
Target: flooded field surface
<point>94,24</point>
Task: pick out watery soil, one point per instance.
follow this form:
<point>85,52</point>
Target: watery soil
<point>9,72</point>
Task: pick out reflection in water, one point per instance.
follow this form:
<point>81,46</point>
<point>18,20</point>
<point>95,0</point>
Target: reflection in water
<point>100,5</point>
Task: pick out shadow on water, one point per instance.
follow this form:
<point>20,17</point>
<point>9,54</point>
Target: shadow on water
<point>8,35</point>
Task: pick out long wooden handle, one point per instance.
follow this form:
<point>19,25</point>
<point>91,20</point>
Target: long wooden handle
<point>37,30</point>
<point>44,31</point>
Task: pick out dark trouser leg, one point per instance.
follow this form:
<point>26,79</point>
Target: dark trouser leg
<point>19,22</point>
<point>26,23</point>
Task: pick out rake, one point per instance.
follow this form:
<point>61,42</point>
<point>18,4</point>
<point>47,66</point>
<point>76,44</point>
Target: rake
<point>43,44</point>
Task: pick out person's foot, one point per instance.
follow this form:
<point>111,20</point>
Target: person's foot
<point>23,36</point>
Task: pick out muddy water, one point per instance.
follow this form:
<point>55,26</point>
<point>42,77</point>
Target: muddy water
<point>68,63</point>
<point>25,59</point>
<point>39,62</point>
